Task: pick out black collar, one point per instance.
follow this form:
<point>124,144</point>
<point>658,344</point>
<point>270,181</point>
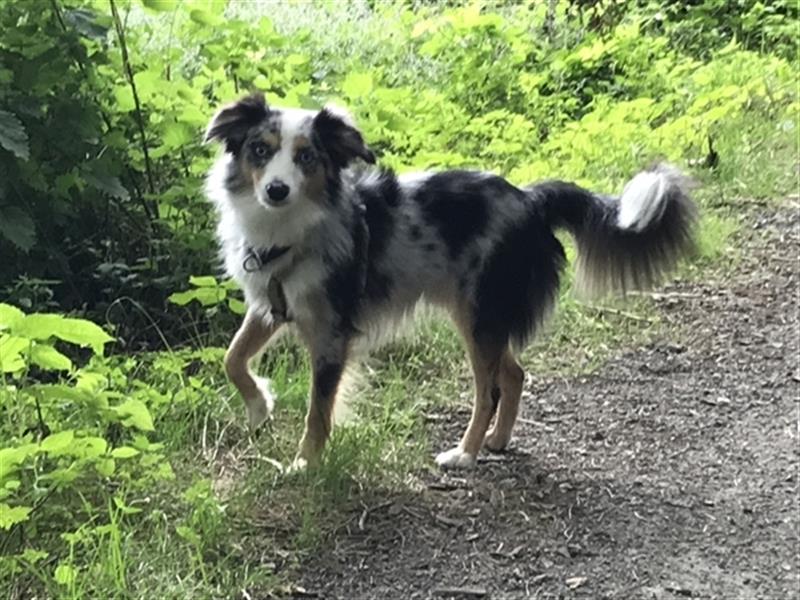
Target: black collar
<point>257,259</point>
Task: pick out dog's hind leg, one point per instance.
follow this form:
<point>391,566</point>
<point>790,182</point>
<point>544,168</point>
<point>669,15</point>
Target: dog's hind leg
<point>249,340</point>
<point>510,380</point>
<point>486,359</point>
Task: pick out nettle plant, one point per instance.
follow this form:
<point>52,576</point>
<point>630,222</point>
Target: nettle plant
<point>73,442</point>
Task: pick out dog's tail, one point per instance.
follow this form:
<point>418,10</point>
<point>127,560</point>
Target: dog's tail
<point>623,243</point>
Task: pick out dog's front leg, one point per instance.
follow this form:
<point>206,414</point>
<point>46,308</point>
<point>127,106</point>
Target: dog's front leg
<point>254,333</point>
<point>328,358</point>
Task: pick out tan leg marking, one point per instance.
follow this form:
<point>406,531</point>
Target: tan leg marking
<point>485,359</point>
<point>327,369</point>
<point>510,382</point>
<point>251,337</point>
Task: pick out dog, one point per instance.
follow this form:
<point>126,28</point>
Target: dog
<point>341,251</point>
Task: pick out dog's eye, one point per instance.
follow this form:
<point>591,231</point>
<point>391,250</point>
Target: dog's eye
<point>260,149</point>
<point>305,156</point>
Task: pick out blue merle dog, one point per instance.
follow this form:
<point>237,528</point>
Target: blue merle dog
<point>342,254</point>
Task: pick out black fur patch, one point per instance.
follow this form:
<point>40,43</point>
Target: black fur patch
<point>379,285</point>
<point>346,282</point>
<point>518,283</point>
<point>380,197</point>
<point>457,204</point>
<point>326,378</point>
<point>342,142</point>
<point>231,124</point>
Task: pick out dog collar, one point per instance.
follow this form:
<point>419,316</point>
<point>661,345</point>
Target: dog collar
<point>257,259</point>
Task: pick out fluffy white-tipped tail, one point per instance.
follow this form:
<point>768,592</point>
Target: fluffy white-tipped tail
<point>644,197</point>
<point>624,243</point>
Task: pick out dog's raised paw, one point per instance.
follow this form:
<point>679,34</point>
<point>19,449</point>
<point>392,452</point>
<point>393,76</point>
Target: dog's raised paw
<point>298,465</point>
<point>455,458</point>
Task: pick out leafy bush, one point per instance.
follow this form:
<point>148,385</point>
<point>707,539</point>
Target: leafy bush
<point>102,106</point>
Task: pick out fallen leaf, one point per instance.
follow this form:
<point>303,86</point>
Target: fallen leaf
<point>575,582</point>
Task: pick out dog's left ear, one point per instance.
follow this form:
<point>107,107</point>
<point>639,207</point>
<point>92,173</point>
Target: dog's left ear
<point>231,123</point>
<point>341,139</point>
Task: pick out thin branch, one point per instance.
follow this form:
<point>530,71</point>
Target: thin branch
<point>103,115</point>
<point>137,104</point>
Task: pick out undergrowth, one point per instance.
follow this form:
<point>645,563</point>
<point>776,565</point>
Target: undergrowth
<point>126,469</point>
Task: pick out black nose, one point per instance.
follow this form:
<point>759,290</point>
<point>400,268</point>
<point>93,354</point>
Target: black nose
<point>277,190</point>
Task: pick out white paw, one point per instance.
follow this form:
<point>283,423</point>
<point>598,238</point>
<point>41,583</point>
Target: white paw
<point>455,458</point>
<point>298,465</point>
<point>260,408</point>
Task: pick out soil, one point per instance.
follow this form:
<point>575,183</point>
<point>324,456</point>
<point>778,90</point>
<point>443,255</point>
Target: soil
<point>670,472</point>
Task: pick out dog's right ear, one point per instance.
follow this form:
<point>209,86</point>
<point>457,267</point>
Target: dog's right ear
<point>231,123</point>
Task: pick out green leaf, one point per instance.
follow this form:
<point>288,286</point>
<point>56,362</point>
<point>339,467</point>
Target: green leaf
<point>188,534</point>
<point>58,392</point>
<point>165,472</point>
<point>10,516</point>
<point>65,574</point>
<point>9,316</point>
<point>204,17</point>
<point>135,414</point>
<point>105,466</point>
<point>11,458</point>
<point>124,452</point>
<point>57,442</point>
<point>108,185</point>
<point>32,556</point>
<point>123,95</point>
<point>206,296</point>
<point>17,227</point>
<point>39,326</point>
<point>12,348</point>
<point>83,333</point>
<point>13,136</point>
<point>176,135</point>
<point>161,5</point>
<point>48,357</point>
<point>147,83</point>
<point>237,306</point>
<point>90,447</point>
<point>203,281</point>
<point>62,476</point>
<point>182,298</point>
<point>357,85</point>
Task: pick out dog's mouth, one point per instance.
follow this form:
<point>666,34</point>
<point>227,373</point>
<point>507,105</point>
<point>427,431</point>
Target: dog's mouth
<point>268,202</point>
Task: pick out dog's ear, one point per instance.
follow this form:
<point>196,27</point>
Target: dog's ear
<point>231,123</point>
<point>338,134</point>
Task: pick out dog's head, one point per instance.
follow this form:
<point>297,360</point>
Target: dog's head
<point>286,156</point>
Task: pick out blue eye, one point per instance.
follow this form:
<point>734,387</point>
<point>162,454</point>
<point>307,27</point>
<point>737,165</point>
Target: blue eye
<point>260,149</point>
<point>305,156</point>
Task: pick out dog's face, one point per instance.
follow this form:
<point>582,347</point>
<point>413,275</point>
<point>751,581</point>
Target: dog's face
<point>286,157</point>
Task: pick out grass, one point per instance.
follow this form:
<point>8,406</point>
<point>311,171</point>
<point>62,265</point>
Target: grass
<point>232,520</point>
<point>227,518</point>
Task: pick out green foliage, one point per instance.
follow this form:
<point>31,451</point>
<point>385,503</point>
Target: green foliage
<point>132,474</point>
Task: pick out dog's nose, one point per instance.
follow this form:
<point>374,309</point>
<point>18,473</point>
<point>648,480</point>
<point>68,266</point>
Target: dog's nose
<point>277,190</point>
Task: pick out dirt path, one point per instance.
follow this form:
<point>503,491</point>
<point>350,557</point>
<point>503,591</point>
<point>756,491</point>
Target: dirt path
<point>670,473</point>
